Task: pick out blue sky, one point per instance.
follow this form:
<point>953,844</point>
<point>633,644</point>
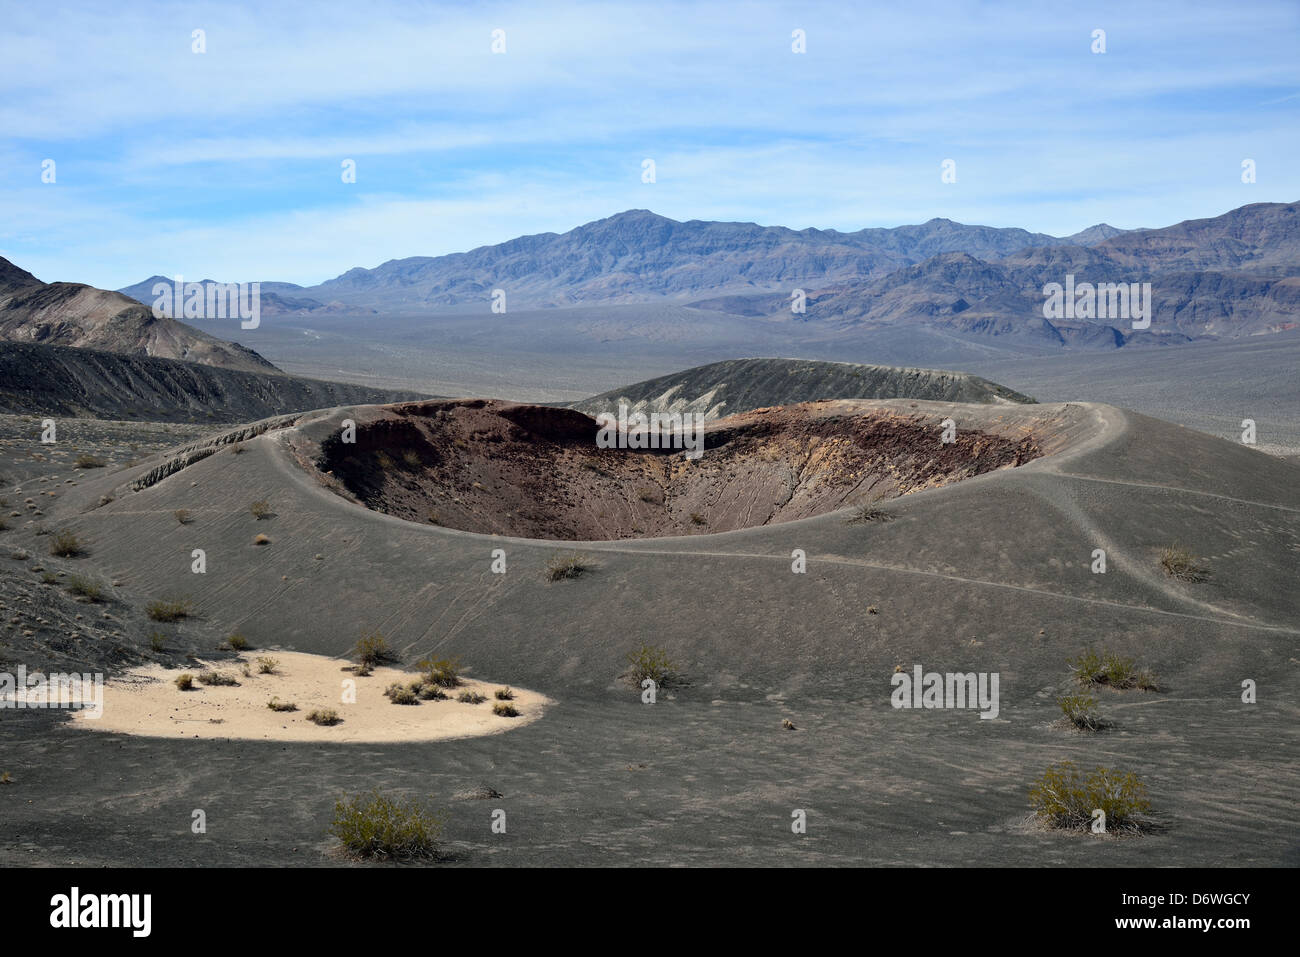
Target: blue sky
<point>226,164</point>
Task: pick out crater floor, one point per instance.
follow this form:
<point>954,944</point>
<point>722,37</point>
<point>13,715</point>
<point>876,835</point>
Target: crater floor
<point>536,472</point>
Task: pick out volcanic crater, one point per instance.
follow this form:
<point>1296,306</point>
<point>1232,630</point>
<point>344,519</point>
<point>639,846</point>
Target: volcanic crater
<point>528,471</point>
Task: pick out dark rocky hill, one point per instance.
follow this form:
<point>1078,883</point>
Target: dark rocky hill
<point>73,314</point>
<point>62,381</point>
<point>739,385</point>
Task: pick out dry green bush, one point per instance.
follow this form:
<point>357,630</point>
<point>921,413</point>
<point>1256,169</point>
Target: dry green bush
<point>562,566</point>
<point>443,672</point>
<point>1094,667</point>
<point>65,544</point>
<point>218,679</point>
<point>1081,711</point>
<point>86,587</point>
<point>650,661</point>
<point>372,649</point>
<point>865,514</point>
<point>1065,797</point>
<point>376,826</point>
<point>1179,562</point>
<point>169,609</point>
<point>401,694</point>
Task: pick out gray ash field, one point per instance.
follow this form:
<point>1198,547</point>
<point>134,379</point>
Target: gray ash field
<point>987,574</point>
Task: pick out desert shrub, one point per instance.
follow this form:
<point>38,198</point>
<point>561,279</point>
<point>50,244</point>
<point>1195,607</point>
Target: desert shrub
<point>237,642</point>
<point>157,641</point>
<point>563,566</point>
<point>267,666</point>
<point>505,709</point>
<point>470,697</point>
<point>260,509</point>
<point>182,516</point>
<point>868,513</point>
<point>65,544</point>
<point>371,649</point>
<point>1081,711</point>
<point>1120,672</point>
<point>443,672</point>
<point>430,692</point>
<point>275,704</point>
<point>87,461</point>
<point>648,495</point>
<point>698,519</point>
<point>50,578</point>
<point>185,681</point>
<point>651,662</point>
<point>1088,668</point>
<point>505,694</point>
<point>237,449</point>
<point>378,826</point>
<point>86,588</point>
<point>401,694</point>
<point>1065,797</point>
<point>411,459</point>
<point>1179,562</point>
<point>4,525</point>
<point>1107,668</point>
<point>169,609</point>
<point>218,679</point>
<point>384,460</point>
<point>324,716</point>
<point>1147,681</point>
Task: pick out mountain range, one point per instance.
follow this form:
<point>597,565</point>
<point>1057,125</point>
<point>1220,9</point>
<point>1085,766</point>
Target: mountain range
<point>1229,276</point>
<point>638,255</point>
<point>1226,277</point>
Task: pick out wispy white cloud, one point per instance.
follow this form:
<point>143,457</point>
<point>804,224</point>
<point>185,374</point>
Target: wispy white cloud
<point>227,163</point>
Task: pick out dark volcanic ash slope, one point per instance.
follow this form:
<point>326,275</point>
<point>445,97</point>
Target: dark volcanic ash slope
<point>57,380</point>
<point>534,472</point>
<point>72,314</point>
<point>739,385</point>
<point>993,574</point>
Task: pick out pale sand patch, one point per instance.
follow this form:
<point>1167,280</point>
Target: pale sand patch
<point>147,702</point>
